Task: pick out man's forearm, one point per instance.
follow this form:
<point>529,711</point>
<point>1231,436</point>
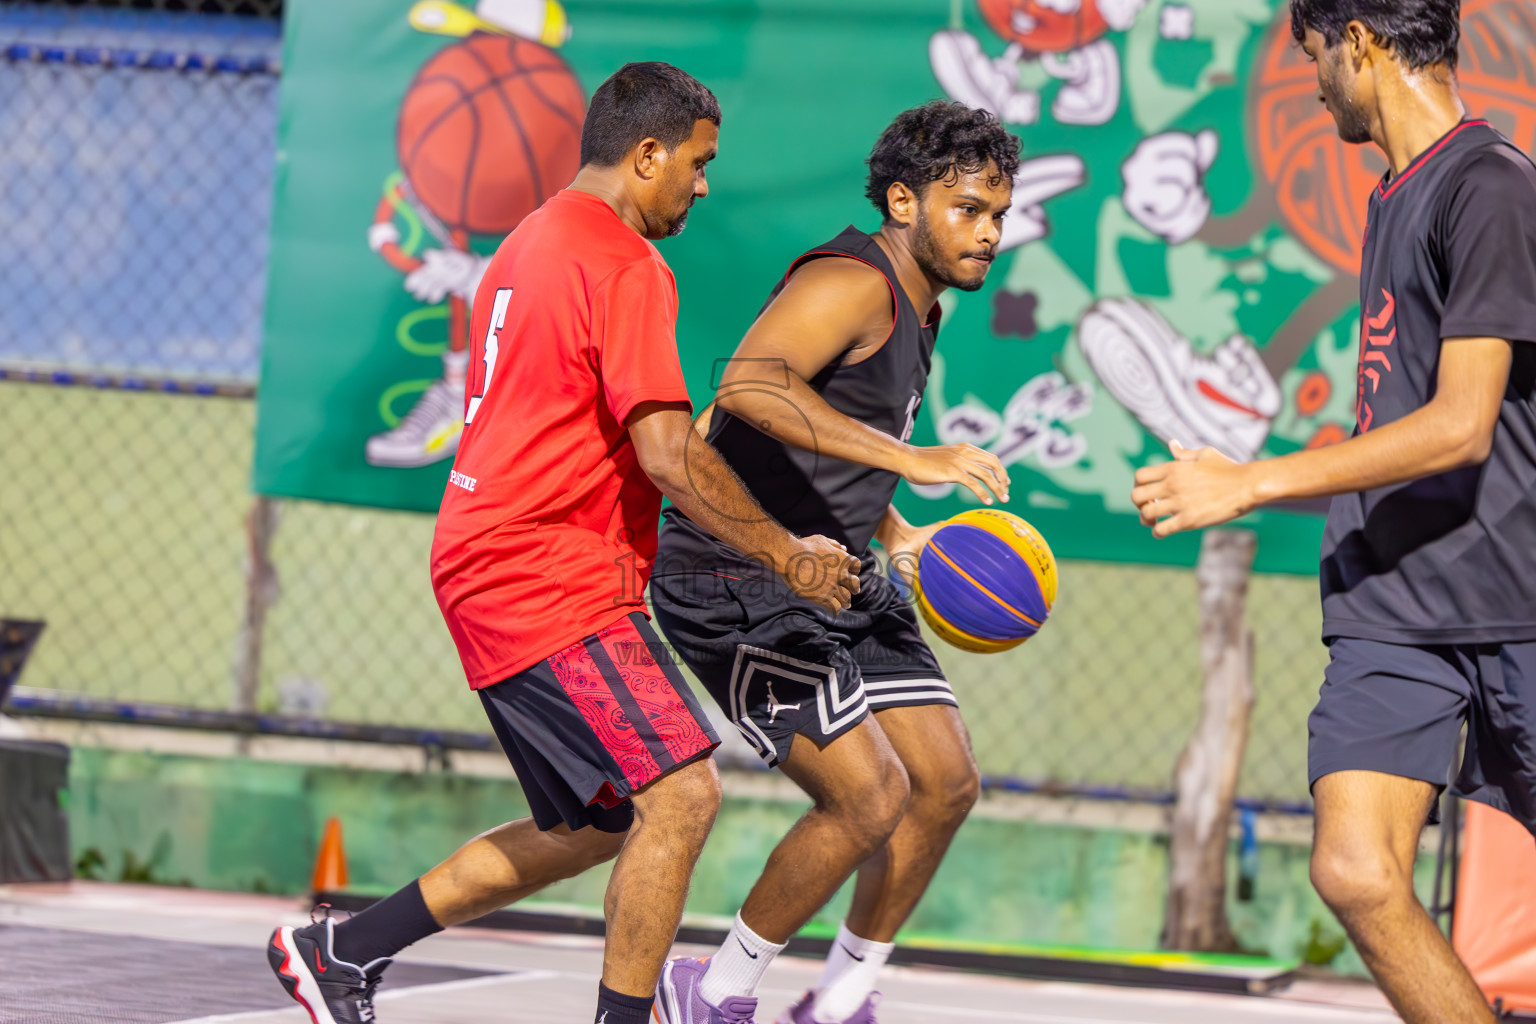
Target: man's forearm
<point>801,418</point>
<point>893,529</point>
<point>707,491</point>
<point>1428,441</point>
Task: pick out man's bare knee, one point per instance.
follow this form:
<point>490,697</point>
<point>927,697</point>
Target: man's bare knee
<point>949,793</point>
<point>1358,879</point>
<point>685,801</point>
<point>892,795</point>
<point>872,808</point>
<point>585,848</point>
<point>600,848</point>
<point>935,748</point>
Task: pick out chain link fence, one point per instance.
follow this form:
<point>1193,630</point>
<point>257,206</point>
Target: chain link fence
<point>138,165</point>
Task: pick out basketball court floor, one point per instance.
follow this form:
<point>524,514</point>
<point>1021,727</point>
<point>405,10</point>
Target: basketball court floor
<point>119,954</point>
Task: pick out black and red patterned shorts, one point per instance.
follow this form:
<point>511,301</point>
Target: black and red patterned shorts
<point>588,726</point>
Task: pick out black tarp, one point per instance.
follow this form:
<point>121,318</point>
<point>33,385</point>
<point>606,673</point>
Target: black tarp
<point>34,831</point>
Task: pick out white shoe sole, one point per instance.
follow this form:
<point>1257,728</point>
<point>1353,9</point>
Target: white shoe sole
<point>307,994</point>
<point>667,1009</point>
<point>408,458</point>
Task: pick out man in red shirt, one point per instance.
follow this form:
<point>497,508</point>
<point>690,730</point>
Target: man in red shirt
<point>577,423</point>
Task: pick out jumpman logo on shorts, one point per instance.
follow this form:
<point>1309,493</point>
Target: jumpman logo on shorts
<point>774,707</point>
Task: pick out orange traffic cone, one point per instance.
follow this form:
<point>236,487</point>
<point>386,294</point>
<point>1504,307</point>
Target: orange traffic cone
<point>331,865</point>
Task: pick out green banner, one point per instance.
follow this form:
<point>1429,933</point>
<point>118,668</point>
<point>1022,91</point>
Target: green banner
<point>1180,262</point>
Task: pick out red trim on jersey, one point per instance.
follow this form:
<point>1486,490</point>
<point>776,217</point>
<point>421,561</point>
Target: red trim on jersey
<point>895,301</point>
<point>1386,193</point>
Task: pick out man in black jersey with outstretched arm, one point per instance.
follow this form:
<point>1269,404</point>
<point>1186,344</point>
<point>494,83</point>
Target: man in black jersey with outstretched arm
<point>813,412</point>
<point>1429,558</point>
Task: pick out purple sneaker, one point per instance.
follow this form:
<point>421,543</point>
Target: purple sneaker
<point>800,1013</point>
<point>678,1000</point>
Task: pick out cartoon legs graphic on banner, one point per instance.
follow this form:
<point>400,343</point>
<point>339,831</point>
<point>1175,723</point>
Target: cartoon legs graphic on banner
<point>489,129</point>
<point>1065,38</point>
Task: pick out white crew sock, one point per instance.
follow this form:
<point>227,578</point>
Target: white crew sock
<point>739,966</point>
<point>849,977</point>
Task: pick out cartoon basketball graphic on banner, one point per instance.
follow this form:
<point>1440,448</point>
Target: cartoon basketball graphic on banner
<point>489,129</point>
<point>1066,38</point>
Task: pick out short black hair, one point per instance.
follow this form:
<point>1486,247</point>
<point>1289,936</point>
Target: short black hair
<point>938,140</point>
<point>1418,32</point>
<point>644,100</point>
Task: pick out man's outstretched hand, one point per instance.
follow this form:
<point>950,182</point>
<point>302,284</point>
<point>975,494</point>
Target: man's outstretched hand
<point>1197,489</point>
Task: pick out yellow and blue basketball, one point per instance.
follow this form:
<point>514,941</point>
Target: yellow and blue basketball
<point>986,581</point>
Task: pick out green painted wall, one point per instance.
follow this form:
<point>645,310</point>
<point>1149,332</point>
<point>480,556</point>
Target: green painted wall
<point>255,826</point>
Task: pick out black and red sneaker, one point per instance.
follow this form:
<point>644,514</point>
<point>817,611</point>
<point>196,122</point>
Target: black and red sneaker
<point>333,991</point>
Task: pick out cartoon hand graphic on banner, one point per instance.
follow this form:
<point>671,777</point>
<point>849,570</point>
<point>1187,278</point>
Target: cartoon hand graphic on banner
<point>1090,77</point>
<point>1121,14</point>
<point>971,77</point>
<point>444,272</point>
<point>1036,181</point>
<point>1165,183</point>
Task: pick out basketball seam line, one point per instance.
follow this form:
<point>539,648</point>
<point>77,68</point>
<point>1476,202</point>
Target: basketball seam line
<point>522,133</point>
<point>538,91</point>
<point>466,97</point>
<point>977,584</point>
<point>426,132</point>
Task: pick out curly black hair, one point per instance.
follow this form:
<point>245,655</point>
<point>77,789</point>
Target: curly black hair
<point>939,141</point>
<point>1418,32</point>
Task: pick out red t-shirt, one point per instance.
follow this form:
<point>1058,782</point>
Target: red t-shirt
<point>547,529</point>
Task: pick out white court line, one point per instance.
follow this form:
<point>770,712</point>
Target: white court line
<point>1025,1017</point>
<point>508,978</point>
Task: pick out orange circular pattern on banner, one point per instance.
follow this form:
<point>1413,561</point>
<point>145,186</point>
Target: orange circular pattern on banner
<point>1327,434</point>
<point>1313,393</point>
<point>1036,27</point>
<point>489,129</point>
<point>1322,184</point>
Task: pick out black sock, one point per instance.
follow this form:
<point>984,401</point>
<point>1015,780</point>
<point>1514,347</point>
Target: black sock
<point>385,928</point>
<point>617,1008</point>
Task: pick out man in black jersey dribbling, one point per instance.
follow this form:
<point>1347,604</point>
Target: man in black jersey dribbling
<point>1429,557</point>
<point>814,412</point>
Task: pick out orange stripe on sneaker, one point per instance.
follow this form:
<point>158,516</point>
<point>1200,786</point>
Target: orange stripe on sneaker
<point>1216,396</point>
<point>977,584</point>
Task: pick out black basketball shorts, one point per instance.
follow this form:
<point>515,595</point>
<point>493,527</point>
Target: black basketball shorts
<point>588,726</point>
<point>778,665</point>
<point>1399,709</point>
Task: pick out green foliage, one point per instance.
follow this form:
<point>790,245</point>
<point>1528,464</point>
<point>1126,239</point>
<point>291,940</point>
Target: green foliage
<point>1322,949</point>
<point>89,863</point>
<point>92,863</point>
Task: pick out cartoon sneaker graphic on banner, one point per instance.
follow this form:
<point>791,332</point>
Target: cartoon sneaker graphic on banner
<point>489,129</point>
<point>1065,37</point>
<point>1225,401</point>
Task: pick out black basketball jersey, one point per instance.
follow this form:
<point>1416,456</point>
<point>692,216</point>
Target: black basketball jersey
<point>810,493</point>
<point>1450,252</point>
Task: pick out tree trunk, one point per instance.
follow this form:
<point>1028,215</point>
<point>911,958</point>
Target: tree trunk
<point>1205,778</point>
<point>261,590</point>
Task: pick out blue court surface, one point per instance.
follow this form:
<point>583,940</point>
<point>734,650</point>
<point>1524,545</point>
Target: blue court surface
<point>119,954</point>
